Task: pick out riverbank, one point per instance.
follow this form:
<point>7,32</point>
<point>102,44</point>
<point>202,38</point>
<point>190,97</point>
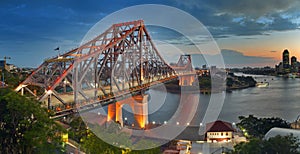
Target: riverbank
<point>233,82</point>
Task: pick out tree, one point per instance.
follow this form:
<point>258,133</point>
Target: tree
<point>275,145</point>
<point>12,79</point>
<point>282,144</point>
<point>77,129</point>
<point>253,146</point>
<point>121,142</point>
<point>205,82</point>
<point>93,144</point>
<point>258,127</point>
<point>25,127</point>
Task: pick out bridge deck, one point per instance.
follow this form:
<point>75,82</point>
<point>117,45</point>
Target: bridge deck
<point>100,99</point>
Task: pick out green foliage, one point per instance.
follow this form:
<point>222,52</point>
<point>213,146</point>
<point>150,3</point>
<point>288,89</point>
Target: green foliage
<point>144,144</point>
<point>93,144</point>
<point>248,80</point>
<point>9,78</point>
<point>205,82</point>
<point>231,82</point>
<point>254,146</point>
<point>120,142</point>
<point>25,126</point>
<point>282,144</point>
<point>240,81</point>
<point>258,127</point>
<point>276,145</point>
<point>77,129</point>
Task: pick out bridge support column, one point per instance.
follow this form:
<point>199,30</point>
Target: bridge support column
<point>139,106</point>
<point>141,110</point>
<point>111,112</point>
<point>187,80</point>
<point>119,113</point>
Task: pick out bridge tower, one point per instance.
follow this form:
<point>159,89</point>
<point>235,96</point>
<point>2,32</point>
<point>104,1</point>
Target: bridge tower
<point>184,69</point>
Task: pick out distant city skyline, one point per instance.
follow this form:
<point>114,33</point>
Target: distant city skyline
<point>249,33</point>
<point>289,64</point>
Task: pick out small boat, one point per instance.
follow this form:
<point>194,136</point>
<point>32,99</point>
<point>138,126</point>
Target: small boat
<point>262,84</point>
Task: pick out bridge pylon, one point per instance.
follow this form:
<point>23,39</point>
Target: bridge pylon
<point>138,105</point>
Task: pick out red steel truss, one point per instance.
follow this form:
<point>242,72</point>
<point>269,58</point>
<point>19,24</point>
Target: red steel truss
<point>120,61</point>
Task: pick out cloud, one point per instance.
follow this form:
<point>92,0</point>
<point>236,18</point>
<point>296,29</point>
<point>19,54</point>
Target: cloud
<point>198,39</point>
<point>233,58</point>
<point>254,8</point>
<point>236,57</point>
<point>246,17</point>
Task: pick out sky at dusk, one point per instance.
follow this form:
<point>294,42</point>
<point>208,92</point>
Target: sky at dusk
<point>248,32</point>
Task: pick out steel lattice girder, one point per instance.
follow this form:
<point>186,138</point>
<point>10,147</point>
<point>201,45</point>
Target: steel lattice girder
<point>122,58</point>
<point>50,74</point>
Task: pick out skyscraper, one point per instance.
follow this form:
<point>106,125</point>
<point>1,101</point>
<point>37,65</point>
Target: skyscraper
<point>294,64</point>
<point>286,61</point>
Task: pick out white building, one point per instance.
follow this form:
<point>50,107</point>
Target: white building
<point>219,131</point>
<point>282,132</point>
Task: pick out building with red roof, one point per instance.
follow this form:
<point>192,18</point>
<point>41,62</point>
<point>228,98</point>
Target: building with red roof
<point>219,131</point>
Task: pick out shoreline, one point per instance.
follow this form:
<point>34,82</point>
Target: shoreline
<point>271,75</point>
<point>194,89</point>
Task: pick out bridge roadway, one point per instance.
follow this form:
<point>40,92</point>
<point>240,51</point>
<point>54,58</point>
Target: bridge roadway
<point>103,100</point>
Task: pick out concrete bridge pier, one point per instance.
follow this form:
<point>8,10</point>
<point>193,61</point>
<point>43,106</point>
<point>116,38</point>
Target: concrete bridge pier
<point>139,106</point>
<point>187,80</point>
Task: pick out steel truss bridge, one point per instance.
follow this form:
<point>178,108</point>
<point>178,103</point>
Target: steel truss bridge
<point>120,62</point>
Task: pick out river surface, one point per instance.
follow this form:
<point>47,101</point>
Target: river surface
<point>280,99</point>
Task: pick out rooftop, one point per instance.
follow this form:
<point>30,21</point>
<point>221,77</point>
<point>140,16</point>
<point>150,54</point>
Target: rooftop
<point>219,126</point>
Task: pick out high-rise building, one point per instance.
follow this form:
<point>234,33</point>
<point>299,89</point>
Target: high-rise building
<point>279,68</point>
<point>286,61</point>
<point>294,65</point>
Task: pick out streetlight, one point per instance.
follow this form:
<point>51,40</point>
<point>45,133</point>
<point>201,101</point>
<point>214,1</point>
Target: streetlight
<point>201,129</point>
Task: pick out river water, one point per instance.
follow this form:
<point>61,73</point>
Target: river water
<point>280,99</point>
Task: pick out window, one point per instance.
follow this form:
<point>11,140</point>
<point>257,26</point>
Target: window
<point>221,134</point>
<point>226,134</point>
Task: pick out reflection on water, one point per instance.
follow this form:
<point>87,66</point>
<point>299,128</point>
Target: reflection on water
<point>280,99</point>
